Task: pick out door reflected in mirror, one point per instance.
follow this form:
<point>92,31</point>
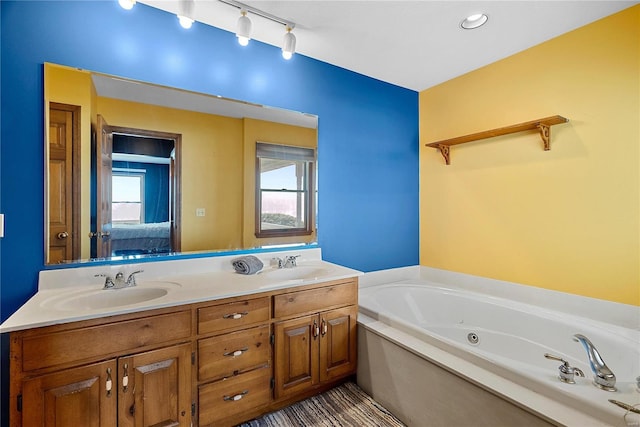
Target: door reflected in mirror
<point>135,169</point>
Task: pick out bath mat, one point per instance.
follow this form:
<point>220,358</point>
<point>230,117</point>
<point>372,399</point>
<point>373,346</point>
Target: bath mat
<point>346,405</point>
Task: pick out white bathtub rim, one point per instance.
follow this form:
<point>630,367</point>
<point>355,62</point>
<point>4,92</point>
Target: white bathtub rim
<point>624,315</point>
<point>558,409</point>
<point>622,332</point>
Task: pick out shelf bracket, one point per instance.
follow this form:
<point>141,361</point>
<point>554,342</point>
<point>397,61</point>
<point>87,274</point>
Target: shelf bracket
<point>444,150</point>
<point>545,133</point>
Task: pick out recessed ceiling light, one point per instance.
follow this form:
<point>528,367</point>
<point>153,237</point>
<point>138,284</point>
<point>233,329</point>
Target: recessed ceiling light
<point>474,21</point>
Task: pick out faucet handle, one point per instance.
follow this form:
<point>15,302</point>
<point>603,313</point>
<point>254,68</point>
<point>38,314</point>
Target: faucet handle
<point>566,372</point>
<point>108,281</point>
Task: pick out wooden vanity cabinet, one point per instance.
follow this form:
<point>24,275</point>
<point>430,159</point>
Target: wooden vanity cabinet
<point>216,363</point>
<point>234,360</point>
<point>147,389</point>
<point>158,390</point>
<point>72,397</point>
<point>122,371</point>
<point>317,347</point>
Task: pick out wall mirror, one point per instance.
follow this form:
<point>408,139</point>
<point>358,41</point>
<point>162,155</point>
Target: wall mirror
<point>135,169</point>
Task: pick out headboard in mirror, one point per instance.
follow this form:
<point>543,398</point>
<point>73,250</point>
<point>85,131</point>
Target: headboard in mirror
<point>135,169</point>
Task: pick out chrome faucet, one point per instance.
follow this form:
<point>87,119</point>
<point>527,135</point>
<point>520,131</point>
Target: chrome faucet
<point>604,378</point>
<point>287,262</point>
<point>119,281</point>
<point>290,261</point>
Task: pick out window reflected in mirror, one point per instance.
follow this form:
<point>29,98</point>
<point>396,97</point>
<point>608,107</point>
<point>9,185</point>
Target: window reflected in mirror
<point>285,177</point>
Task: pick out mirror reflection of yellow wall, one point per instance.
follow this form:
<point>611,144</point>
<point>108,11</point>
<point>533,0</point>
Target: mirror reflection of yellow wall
<point>71,86</point>
<point>218,160</point>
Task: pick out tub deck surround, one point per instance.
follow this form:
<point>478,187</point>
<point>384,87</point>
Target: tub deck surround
<point>625,315</point>
<point>187,281</point>
<point>509,358</point>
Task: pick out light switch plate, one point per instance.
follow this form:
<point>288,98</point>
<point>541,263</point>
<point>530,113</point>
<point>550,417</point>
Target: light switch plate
<point>200,212</point>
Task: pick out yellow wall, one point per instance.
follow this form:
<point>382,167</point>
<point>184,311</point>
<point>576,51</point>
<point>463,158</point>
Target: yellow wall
<point>74,87</point>
<point>211,168</point>
<point>275,133</point>
<point>566,219</point>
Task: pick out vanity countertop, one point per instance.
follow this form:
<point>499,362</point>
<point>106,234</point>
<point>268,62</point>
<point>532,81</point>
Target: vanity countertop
<point>63,294</point>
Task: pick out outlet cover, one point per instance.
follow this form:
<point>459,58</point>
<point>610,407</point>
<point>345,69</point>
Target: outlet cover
<point>200,212</point>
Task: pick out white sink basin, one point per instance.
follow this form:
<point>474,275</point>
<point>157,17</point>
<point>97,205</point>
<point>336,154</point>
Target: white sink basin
<point>109,298</point>
<point>297,273</point>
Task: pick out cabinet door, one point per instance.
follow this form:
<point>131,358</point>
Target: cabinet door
<point>296,355</point>
<point>84,396</point>
<point>338,342</point>
<point>155,388</point>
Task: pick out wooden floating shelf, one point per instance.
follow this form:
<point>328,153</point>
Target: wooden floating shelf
<point>541,125</point>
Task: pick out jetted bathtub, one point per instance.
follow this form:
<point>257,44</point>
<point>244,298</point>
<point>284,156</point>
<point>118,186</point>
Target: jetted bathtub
<point>499,345</point>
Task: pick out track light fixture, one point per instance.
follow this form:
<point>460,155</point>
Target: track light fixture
<point>243,31</point>
<point>185,14</point>
<point>127,4</point>
<point>289,44</point>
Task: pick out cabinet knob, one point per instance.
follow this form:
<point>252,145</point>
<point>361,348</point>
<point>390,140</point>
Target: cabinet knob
<point>109,385</point>
<point>125,378</point>
<point>62,235</point>
<point>236,397</point>
<point>236,352</point>
<point>235,315</point>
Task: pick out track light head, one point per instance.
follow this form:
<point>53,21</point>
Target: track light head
<point>243,31</point>
<point>127,4</point>
<point>185,14</point>
<point>289,44</point>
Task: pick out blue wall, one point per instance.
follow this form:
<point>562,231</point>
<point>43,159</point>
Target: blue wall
<point>368,129</point>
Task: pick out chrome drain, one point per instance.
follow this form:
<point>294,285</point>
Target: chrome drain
<point>473,338</point>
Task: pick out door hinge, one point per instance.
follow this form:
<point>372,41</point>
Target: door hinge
<point>19,403</point>
<point>273,383</point>
<point>193,358</point>
<point>272,339</point>
<point>193,409</point>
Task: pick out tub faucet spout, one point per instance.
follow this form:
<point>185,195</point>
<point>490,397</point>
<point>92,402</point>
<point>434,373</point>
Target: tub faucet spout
<point>604,378</point>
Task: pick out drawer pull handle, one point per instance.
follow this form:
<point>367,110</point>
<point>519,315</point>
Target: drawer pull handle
<point>236,353</point>
<point>235,315</point>
<point>316,329</point>
<point>324,327</point>
<point>236,397</point>
<point>125,378</point>
<point>109,385</point>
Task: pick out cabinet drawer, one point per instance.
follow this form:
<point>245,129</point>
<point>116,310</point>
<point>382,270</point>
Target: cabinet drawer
<point>318,299</point>
<point>42,351</point>
<point>234,396</point>
<point>232,315</point>
<point>223,355</point>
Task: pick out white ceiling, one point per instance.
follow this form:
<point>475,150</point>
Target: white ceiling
<point>413,44</point>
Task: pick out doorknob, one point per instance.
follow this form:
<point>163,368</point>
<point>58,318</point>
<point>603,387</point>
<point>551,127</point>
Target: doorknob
<point>62,235</point>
